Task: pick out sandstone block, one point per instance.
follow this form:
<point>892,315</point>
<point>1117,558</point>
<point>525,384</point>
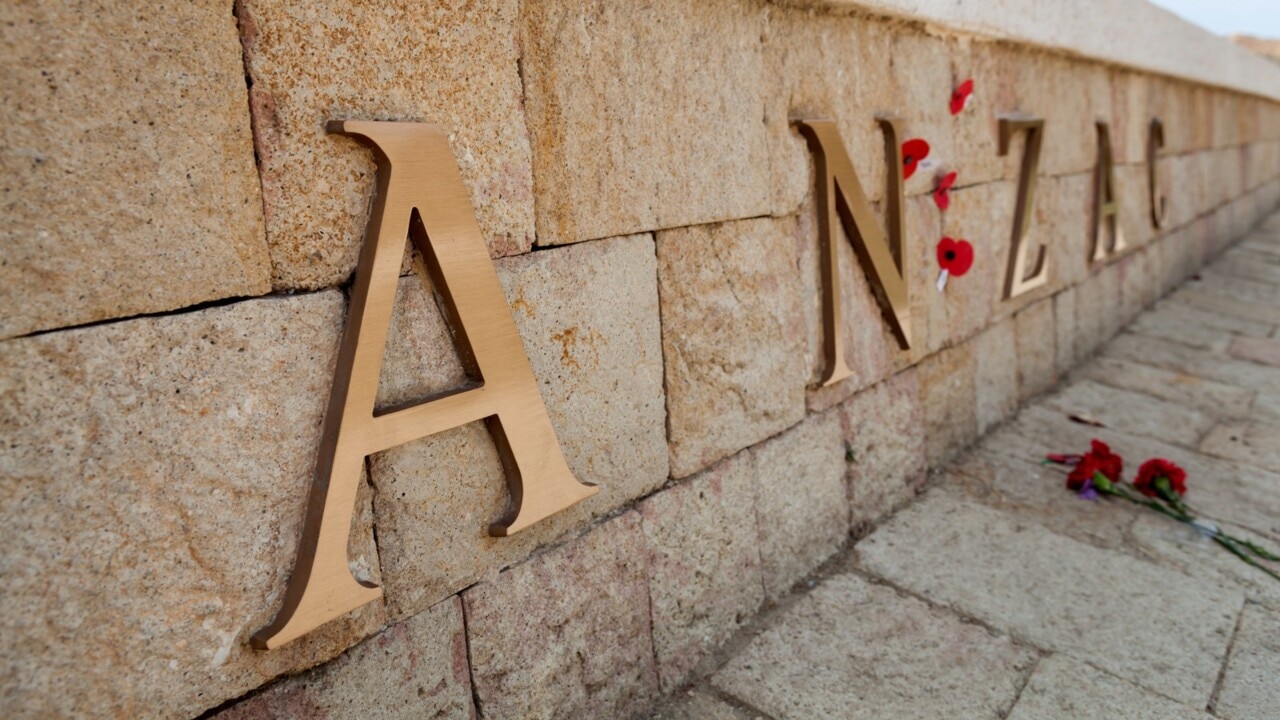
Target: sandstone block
<point>704,564</point>
<point>1098,309</point>
<point>1067,689</point>
<point>1089,604</point>
<point>883,428</point>
<point>982,215</point>
<point>1135,413</point>
<point>851,649</point>
<point>308,64</point>
<point>154,482</point>
<point>128,162</point>
<point>1253,443</point>
<point>645,176</point>
<point>1249,690</point>
<point>1191,361</point>
<point>1263,351</point>
<point>1066,345</point>
<point>1207,396</point>
<point>1188,325</point>
<point>415,669</point>
<point>801,504</point>
<point>698,705</point>
<point>733,354</point>
<point>588,316</point>
<point>1035,337</point>
<point>567,633</point>
<point>948,394</point>
<point>995,374</point>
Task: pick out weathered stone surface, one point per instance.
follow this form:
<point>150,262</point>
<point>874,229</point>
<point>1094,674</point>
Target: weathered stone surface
<point>698,705</point>
<point>1249,687</point>
<point>1263,351</point>
<point>949,397</point>
<point>995,375</point>
<point>455,67</point>
<point>1067,348</point>
<point>1090,604</point>
<point>883,428</point>
<point>1183,359</point>
<point>1036,341</point>
<point>1066,689</point>
<point>982,215</point>
<point>1097,309</point>
<point>1185,324</point>
<point>607,157</point>
<point>730,337</point>
<point>1244,263</point>
<point>1134,412</point>
<point>704,564</point>
<point>416,669</point>
<point>153,486</point>
<point>567,633</point>
<point>1207,396</point>
<point>1248,442</point>
<point>128,164</point>
<point>588,316</point>
<point>801,505</point>
<point>850,649</point>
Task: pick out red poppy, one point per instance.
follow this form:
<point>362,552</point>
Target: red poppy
<point>955,256</point>
<point>942,193</point>
<point>960,96</point>
<point>1156,468</point>
<point>913,151</point>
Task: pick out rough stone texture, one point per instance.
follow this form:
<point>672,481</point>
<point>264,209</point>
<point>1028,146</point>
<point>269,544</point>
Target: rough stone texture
<point>1036,341</point>
<point>128,164</point>
<point>995,375</point>
<point>664,148</point>
<point>588,316</point>
<point>1087,603</point>
<point>452,66</point>
<point>153,487</point>
<point>1263,351</point>
<point>1187,325</point>
<point>733,354</point>
<point>416,669</point>
<point>1134,412</point>
<point>698,705</point>
<point>883,428</point>
<point>1067,349</point>
<point>1248,442</point>
<point>1207,396</point>
<point>982,216</point>
<point>1250,690</point>
<point>854,650</point>
<point>948,395</point>
<point>566,634</point>
<point>1065,689</point>
<point>704,564</point>
<point>801,505</point>
<point>1180,358</point>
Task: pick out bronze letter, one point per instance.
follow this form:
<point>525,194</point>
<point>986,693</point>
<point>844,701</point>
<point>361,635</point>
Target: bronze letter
<point>420,195</point>
<point>840,198</point>
<point>1106,208</point>
<point>1016,280</point>
<point>1159,204</point>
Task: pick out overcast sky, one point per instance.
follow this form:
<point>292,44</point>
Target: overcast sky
<point>1228,17</point>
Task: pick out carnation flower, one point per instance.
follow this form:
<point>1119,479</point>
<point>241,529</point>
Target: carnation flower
<point>1153,470</point>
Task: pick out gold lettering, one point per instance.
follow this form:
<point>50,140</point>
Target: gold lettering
<point>1159,203</point>
<point>1017,280</point>
<point>1108,236</point>
<point>840,199</point>
<point>420,196</point>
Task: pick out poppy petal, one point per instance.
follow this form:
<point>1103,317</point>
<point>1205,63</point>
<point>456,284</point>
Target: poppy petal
<point>913,151</point>
<point>963,259</point>
<point>960,97</point>
<point>946,253</point>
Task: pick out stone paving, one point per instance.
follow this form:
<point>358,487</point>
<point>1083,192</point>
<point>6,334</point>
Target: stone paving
<point>997,594</point>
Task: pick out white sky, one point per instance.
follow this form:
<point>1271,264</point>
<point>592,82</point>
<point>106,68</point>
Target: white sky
<point>1226,17</point>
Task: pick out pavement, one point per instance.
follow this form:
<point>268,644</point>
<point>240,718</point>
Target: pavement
<point>999,594</point>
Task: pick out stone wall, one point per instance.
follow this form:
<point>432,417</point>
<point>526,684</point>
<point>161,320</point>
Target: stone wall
<point>180,234</point>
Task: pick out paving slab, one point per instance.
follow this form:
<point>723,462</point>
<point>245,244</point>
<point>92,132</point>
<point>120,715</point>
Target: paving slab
<point>1064,688</point>
<point>1207,396</point>
<point>1251,442</point>
<point>1138,413</point>
<point>851,649</point>
<point>1060,594</point>
<point>1251,684</point>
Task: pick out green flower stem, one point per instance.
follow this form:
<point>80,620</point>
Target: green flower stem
<point>1230,544</point>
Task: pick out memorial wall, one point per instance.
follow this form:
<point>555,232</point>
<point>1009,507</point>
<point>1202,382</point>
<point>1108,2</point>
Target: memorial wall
<point>279,281</point>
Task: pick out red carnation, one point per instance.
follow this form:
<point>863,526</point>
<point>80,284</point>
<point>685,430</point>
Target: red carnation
<point>1082,473</point>
<point>1156,468</point>
<point>913,151</point>
<point>960,97</point>
<point>1108,463</point>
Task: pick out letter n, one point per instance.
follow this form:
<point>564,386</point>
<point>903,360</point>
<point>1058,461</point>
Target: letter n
<point>420,196</point>
<point>840,199</point>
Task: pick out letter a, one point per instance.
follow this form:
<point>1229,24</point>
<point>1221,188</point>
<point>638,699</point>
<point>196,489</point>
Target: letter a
<point>1106,207</point>
<point>841,199</point>
<point>420,195</point>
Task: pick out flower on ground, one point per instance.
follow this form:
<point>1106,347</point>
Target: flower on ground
<point>1109,463</point>
<point>913,151</point>
<point>955,256</point>
<point>960,96</point>
<point>942,193</point>
<point>1155,469</point>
